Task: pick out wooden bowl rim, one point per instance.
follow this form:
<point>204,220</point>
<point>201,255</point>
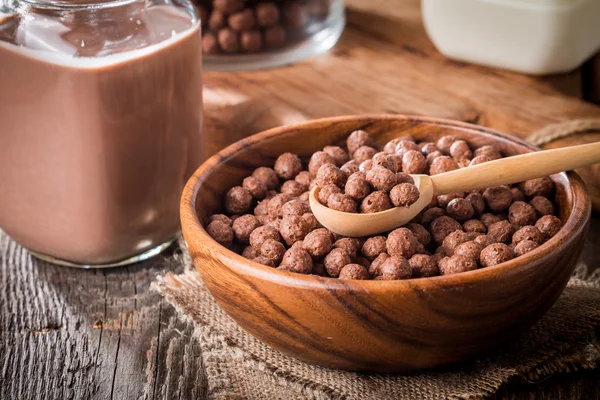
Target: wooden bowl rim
<point>576,222</point>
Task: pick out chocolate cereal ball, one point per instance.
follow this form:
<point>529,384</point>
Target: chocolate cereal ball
<point>405,146</point>
<point>484,240</point>
<point>428,147</point>
<point>420,233</point>
<point>220,217</point>
<point>365,166</point>
<point>262,208</point>
<point>414,162</point>
<point>431,214</point>
<point>294,207</point>
<point>495,254</point>
<point>401,177</point>
<point>442,164</point>
<point>303,178</point>
<point>360,260</point>
<point>341,202</point>
<point>264,261</point>
<point>357,186</point>
<point>262,233</point>
<point>275,36</point>
<point>243,227</point>
<point>326,191</point>
<point>381,178</point>
<point>357,139</point>
<point>317,243</point>
<point>460,209</point>
<point>538,187</point>
<point>364,153</point>
<point>390,147</point>
<point>521,214</point>
<point>237,200</point>
<point>525,246</point>
<point>394,268</point>
<point>528,232</point>
<point>445,142</point>
<point>339,156</point>
<point>221,232</point>
<point>329,173</point>
<point>518,195</point>
<point>351,245</point>
<point>376,202</point>
<point>489,151</point>
<point>474,225</point>
<point>350,167</point>
<point>549,225</point>
<point>293,188</point>
<point>311,221</point>
<point>228,6</point>
<point>423,265</point>
<point>453,240</point>
<point>477,202</point>
<point>498,198</point>
<point>267,176</point>
<point>386,161</point>
<point>489,219</point>
<point>210,44</point>
<point>293,228</point>
<point>272,250</point>
<point>267,14</point>
<point>354,272</point>
<point>217,20</point>
<point>287,166</point>
<point>373,247</point>
<point>459,150</point>
<point>229,40</point>
<point>457,264</point>
<point>404,195</point>
<point>250,253</point>
<point>444,199</point>
<point>318,159</point>
<point>442,227</point>
<point>501,231</point>
<point>470,249</point>
<point>242,21</point>
<point>296,260</point>
<point>432,156</point>
<point>256,187</point>
<point>375,266</point>
<point>275,205</point>
<point>335,261</point>
<point>402,242</point>
<point>479,160</point>
<point>542,206</point>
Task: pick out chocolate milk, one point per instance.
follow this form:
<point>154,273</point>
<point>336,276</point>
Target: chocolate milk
<point>98,136</point>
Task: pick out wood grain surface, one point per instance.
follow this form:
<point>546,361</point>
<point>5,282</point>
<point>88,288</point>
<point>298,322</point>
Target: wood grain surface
<point>441,320</point>
<point>57,325</point>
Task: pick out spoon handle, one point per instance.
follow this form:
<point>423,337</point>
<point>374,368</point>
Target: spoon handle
<point>515,169</point>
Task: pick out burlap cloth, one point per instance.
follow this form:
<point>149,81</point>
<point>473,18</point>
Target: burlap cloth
<point>238,366</point>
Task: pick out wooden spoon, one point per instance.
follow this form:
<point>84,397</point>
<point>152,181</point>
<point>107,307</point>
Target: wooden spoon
<point>504,171</point>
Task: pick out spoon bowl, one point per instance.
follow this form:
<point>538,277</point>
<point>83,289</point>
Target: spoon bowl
<point>357,225</point>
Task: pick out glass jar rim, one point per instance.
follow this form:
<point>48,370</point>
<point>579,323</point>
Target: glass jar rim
<point>65,5</point>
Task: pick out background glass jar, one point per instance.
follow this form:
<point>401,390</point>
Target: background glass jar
<point>101,107</point>
<point>250,34</point>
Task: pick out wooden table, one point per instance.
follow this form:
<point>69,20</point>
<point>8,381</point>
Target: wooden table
<point>102,334</point>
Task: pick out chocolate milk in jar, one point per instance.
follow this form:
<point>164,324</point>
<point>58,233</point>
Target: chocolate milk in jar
<point>100,125</point>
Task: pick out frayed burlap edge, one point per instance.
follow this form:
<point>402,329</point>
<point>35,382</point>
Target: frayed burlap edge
<point>238,366</point>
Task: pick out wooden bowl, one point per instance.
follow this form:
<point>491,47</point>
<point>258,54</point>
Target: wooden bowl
<point>385,326</point>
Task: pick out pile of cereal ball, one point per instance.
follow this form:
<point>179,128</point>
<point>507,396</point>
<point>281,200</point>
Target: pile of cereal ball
<point>269,220</point>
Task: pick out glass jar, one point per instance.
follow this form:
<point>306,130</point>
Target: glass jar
<point>101,114</point>
<point>251,34</point>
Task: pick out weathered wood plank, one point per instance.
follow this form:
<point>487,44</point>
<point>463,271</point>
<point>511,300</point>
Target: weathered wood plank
<point>73,334</point>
